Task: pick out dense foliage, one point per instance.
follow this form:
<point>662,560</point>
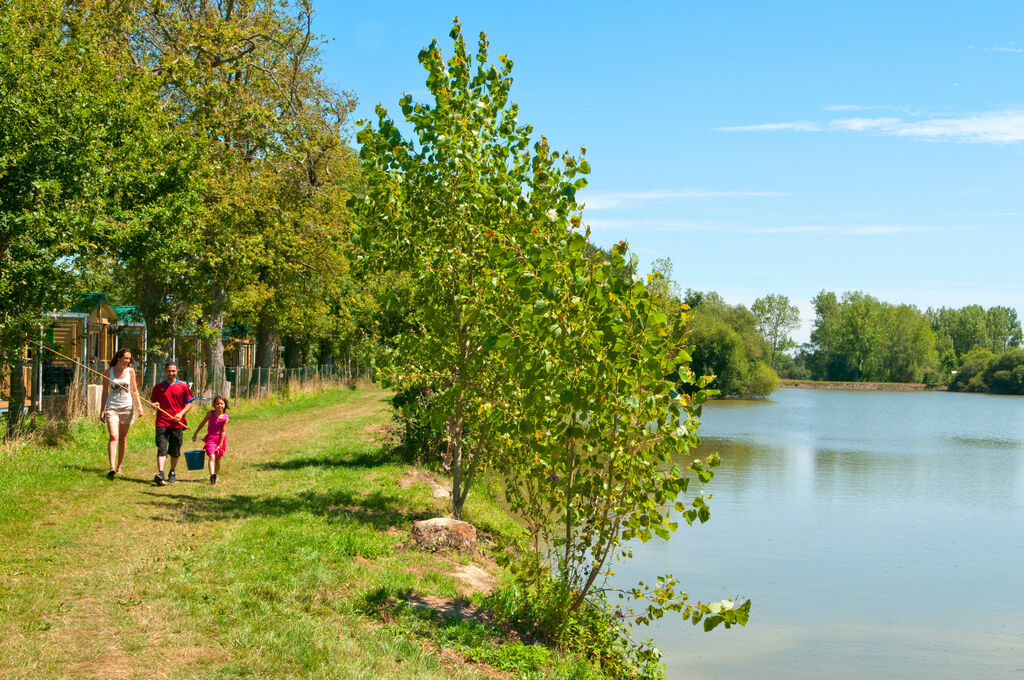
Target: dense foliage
<point>986,371</point>
<point>184,157</point>
<point>729,346</point>
<point>776,319</point>
<point>859,337</point>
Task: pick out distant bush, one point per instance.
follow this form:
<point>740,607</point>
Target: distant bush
<point>420,425</point>
<point>762,380</point>
<point>1004,373</point>
<point>983,371</point>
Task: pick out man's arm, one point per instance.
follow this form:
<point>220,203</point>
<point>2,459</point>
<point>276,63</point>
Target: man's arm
<point>181,414</point>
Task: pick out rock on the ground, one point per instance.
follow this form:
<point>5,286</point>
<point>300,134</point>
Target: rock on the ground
<point>442,533</point>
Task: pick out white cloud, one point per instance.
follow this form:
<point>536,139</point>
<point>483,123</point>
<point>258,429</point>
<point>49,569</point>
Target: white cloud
<point>801,126</point>
<point>997,127</point>
<point>993,127</point>
<point>862,124</point>
<point>606,201</point>
<point>1011,46</point>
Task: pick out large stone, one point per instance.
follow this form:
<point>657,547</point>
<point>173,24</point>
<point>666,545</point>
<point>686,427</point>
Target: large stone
<point>441,533</point>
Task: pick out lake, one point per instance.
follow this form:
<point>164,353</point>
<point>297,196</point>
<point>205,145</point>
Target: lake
<point>879,535</point>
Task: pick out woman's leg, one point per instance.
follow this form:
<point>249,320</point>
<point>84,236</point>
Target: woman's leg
<point>217,470</point>
<point>112,430</point>
<point>122,440</point>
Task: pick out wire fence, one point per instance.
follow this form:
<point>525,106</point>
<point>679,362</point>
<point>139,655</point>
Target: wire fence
<point>64,389</point>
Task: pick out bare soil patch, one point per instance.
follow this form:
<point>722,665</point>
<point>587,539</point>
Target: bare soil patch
<point>474,579</point>
<point>452,658</point>
<point>447,608</point>
<point>438,489</point>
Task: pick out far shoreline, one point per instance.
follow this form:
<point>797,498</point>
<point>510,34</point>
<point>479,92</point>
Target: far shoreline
<point>789,383</point>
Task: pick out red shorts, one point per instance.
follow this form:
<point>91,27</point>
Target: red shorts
<point>213,446</point>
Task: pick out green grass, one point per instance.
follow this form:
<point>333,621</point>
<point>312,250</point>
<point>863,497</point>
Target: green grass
<point>287,568</point>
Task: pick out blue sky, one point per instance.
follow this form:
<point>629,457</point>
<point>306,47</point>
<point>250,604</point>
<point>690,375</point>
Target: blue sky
<point>783,147</point>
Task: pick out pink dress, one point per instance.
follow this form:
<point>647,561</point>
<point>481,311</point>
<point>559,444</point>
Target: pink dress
<point>215,442</point>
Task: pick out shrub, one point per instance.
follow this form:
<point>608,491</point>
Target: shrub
<point>420,423</point>
<point>762,380</point>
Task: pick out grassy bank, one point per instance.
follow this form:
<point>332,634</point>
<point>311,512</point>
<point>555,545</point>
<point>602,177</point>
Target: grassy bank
<point>289,567</point>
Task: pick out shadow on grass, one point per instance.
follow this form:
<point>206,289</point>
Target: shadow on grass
<point>102,473</point>
<point>337,458</point>
<point>148,481</point>
<point>379,510</point>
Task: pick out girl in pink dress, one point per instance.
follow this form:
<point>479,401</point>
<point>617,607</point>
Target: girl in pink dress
<point>215,442</point>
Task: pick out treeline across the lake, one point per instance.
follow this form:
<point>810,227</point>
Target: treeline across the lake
<point>857,337</point>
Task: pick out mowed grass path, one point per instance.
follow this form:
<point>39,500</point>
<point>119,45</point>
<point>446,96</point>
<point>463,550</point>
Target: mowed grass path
<point>260,576</point>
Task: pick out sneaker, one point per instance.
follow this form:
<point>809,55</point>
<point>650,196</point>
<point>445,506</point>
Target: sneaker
<point>111,474</point>
<point>171,478</point>
<point>213,479</point>
<point>159,479</point>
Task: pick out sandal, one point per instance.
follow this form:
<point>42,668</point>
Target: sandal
<point>111,474</point>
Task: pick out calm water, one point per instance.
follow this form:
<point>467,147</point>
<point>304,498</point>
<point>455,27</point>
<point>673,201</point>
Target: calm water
<point>879,535</point>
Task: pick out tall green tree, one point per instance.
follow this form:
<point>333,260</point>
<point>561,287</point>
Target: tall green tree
<point>859,337</point>
<point>907,349</point>
<point>433,207</point>
<point>664,290</point>
<point>244,78</point>
<point>72,110</point>
<point>776,319</point>
<point>966,327</point>
<point>1003,328</point>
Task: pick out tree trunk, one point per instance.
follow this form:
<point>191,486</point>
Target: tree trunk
<point>458,494</point>
<point>458,423</point>
<point>266,341</point>
<point>16,403</point>
<point>154,308</point>
<point>266,348</point>
<point>215,345</point>
<point>326,354</point>
<point>292,353</point>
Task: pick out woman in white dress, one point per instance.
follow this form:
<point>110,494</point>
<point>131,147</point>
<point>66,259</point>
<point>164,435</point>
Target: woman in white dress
<point>121,404</point>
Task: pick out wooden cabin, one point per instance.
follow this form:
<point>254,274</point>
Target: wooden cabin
<point>90,332</point>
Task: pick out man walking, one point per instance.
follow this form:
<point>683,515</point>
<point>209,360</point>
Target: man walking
<point>175,400</point>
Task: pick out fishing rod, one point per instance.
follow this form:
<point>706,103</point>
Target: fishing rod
<point>107,378</point>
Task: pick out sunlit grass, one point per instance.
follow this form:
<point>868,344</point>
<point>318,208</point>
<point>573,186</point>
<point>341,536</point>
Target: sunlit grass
<point>265,575</point>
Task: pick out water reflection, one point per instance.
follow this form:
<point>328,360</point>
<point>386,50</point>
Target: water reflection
<point>879,535</point>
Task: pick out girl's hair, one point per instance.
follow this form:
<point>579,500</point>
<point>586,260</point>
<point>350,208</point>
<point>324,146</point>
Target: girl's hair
<point>214,400</point>
<point>118,354</point>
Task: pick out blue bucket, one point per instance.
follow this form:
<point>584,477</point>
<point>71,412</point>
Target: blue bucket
<point>194,459</point>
